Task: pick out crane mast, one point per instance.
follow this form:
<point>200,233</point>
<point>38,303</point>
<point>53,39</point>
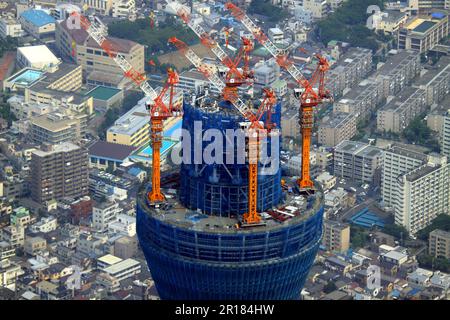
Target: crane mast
<point>309,98</point>
<point>254,128</point>
<point>159,111</point>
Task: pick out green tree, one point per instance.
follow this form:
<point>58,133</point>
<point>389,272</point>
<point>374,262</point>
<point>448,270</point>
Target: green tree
<point>396,231</point>
<point>266,8</point>
<point>347,24</point>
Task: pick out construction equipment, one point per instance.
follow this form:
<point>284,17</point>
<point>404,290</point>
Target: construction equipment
<point>234,78</point>
<point>158,108</point>
<point>308,96</point>
<point>254,128</point>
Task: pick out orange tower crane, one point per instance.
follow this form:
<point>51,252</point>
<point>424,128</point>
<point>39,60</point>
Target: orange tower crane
<point>158,108</point>
<point>309,97</point>
<point>234,77</point>
<point>254,127</point>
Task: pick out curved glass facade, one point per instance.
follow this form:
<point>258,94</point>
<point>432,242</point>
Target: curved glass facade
<point>222,189</point>
<point>268,264</point>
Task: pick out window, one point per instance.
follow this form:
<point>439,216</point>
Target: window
<point>90,63</point>
<point>90,51</point>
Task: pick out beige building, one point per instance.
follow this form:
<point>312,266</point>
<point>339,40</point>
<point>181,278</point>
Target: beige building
<point>55,128</point>
<point>336,236</point>
<point>102,7</point>
<point>439,243</point>
<point>337,128</point>
<point>34,244</point>
<point>423,33</point>
<point>98,67</point>
<point>133,127</point>
<point>400,111</point>
<point>318,8</point>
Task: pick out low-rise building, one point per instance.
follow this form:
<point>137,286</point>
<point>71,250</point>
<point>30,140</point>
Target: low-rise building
<point>423,33</point>
<point>10,27</point>
<point>38,23</point>
<point>45,225</point>
<point>124,225</point>
<point>38,57</point>
<point>352,67</point>
<point>336,128</point>
<point>439,243</point>
<point>124,269</point>
<point>357,161</point>
<point>336,236</point>
<point>435,81</point>
<point>107,155</point>
<point>34,244</point>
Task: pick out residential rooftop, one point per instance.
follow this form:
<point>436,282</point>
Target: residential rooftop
<point>38,17</point>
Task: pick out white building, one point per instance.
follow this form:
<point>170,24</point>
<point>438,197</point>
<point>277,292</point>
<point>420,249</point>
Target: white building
<point>276,35</point>
<point>125,9</point>
<point>397,160</point>
<point>124,269</point>
<point>103,214</point>
<point>37,57</point>
<point>13,235</point>
<point>318,8</point>
<point>45,225</point>
<point>327,180</point>
<point>10,27</point>
<point>9,272</point>
<point>415,187</point>
<point>125,225</point>
<point>423,194</point>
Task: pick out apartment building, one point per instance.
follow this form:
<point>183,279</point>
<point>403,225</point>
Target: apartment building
<point>396,73</point>
<point>398,160</point>
<point>352,67</point>
<point>102,7</point>
<point>98,67</point>
<point>289,123</point>
<point>38,23</point>
<point>103,214</point>
<point>439,244</point>
<point>423,194</point>
<point>445,135</point>
<point>362,100</point>
<point>10,27</point>
<point>435,81</point>
<point>276,35</point>
<point>54,128</point>
<point>338,127</point>
<point>423,33</point>
<point>59,171</point>
<point>396,115</point>
<point>336,236</point>
<point>357,161</point>
<point>399,70</point>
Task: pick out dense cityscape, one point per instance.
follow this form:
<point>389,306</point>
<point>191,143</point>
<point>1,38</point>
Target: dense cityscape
<point>96,99</point>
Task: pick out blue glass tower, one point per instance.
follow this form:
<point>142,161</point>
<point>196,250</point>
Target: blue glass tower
<point>193,248</point>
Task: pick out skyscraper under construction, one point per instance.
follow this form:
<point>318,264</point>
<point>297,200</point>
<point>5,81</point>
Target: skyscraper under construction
<point>193,243</point>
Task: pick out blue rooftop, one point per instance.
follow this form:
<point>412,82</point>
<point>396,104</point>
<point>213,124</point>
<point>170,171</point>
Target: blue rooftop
<point>135,171</point>
<point>38,17</point>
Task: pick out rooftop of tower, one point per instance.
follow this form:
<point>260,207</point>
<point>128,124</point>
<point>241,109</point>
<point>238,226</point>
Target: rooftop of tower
<point>294,209</point>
